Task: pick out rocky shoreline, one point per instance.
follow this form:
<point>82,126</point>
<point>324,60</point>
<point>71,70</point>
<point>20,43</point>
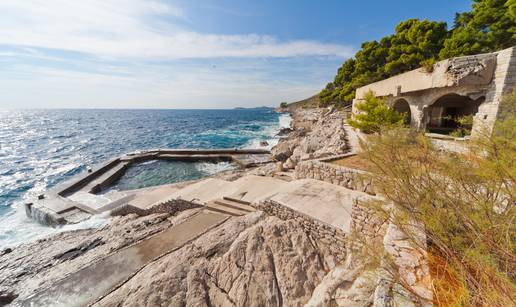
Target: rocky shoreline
<point>252,260</point>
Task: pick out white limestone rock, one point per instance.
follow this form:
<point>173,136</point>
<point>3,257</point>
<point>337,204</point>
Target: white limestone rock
<point>248,261</point>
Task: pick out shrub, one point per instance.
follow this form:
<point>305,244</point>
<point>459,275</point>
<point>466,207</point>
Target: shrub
<point>465,123</point>
<point>428,64</point>
<point>283,105</point>
<point>374,114</point>
<point>465,203</point>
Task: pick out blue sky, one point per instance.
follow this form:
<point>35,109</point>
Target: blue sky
<point>186,54</point>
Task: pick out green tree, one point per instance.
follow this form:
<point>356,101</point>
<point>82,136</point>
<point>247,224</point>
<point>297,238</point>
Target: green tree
<point>490,26</point>
<point>283,105</point>
<point>511,4</point>
<point>374,114</point>
<point>414,43</point>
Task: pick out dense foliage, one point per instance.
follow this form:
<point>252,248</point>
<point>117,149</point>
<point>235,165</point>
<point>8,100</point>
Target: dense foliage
<point>374,114</point>
<point>489,26</point>
<point>464,203</point>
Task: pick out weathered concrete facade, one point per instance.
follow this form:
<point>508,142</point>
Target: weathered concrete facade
<point>469,85</point>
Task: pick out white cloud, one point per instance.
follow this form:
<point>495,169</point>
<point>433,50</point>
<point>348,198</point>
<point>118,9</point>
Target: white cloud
<point>135,29</point>
<point>194,86</point>
<point>118,39</point>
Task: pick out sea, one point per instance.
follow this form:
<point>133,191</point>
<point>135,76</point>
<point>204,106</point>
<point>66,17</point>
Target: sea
<point>42,148</point>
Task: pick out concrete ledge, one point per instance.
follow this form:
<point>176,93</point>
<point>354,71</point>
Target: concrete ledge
<point>83,179</point>
<point>50,208</point>
<point>447,137</point>
<point>172,206</point>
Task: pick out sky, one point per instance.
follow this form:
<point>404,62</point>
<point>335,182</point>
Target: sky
<point>187,54</point>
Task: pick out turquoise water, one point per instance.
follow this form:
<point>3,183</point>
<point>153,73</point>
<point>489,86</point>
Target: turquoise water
<point>41,148</point>
<point>158,172</point>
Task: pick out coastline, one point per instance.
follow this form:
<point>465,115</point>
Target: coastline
<point>17,229</point>
<point>315,134</point>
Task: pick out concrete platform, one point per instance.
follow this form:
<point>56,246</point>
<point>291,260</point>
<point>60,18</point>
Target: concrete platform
<point>80,194</point>
<point>253,188</point>
<point>246,189</point>
<point>323,201</point>
<point>202,192</point>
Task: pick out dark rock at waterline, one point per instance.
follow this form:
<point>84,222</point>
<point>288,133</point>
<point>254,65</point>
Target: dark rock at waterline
<point>284,132</point>
<point>264,143</point>
<point>79,250</point>
<point>301,132</point>
<point>6,251</point>
<point>6,298</point>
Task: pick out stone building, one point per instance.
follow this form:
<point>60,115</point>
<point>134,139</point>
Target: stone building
<point>468,85</point>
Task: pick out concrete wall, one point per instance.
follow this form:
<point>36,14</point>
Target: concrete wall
<point>485,75</point>
<point>366,223</point>
<point>450,72</point>
<point>504,82</point>
<point>321,169</point>
<point>172,206</point>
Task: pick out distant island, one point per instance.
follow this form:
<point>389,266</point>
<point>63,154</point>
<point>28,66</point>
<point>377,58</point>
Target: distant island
<point>253,108</point>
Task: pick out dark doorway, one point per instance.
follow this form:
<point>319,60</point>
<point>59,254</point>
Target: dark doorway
<point>403,107</point>
<point>442,116</point>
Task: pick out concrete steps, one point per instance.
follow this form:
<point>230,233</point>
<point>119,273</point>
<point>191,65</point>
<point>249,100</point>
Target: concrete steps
<point>229,207</point>
<point>212,206</point>
<point>235,200</point>
<point>106,178</point>
<point>235,204</point>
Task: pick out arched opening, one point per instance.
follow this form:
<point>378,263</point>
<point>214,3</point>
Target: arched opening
<point>402,106</point>
<point>442,116</point>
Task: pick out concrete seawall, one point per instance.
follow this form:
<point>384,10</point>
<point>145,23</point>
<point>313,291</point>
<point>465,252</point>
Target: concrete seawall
<point>54,207</point>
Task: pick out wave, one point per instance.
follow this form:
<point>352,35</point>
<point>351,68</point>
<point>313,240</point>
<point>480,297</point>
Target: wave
<point>36,155</point>
<point>213,168</point>
<point>268,135</point>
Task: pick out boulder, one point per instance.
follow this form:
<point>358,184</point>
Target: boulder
<point>284,132</point>
<point>283,150</point>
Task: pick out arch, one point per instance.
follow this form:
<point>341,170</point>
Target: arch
<point>442,114</point>
<point>402,106</point>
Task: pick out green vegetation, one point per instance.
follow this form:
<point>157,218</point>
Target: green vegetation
<point>374,114</point>
<point>465,123</point>
<point>464,202</point>
<point>489,26</point>
<point>283,105</point>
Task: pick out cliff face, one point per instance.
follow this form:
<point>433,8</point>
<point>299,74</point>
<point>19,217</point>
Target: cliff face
<point>317,133</point>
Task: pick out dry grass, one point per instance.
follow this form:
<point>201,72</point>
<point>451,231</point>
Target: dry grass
<point>448,288</point>
<point>356,161</point>
<point>465,204</point>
